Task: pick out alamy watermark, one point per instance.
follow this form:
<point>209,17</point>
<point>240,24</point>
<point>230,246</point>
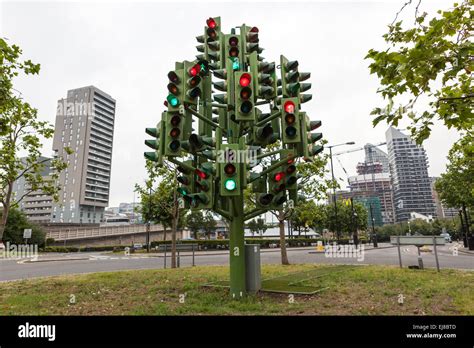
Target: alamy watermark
<point>19,251</point>
<point>237,156</point>
<point>345,251</point>
<point>66,108</point>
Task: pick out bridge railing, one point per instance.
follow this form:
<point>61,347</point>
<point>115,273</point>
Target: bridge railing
<point>94,232</point>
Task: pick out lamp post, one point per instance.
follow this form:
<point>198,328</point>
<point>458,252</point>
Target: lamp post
<point>336,225</point>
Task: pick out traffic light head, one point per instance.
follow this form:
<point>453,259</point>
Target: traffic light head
<point>290,122</point>
<point>192,85</point>
<point>289,168</point>
<point>244,97</point>
<point>174,127</point>
<point>156,144</point>
<point>230,167</point>
<point>309,149</point>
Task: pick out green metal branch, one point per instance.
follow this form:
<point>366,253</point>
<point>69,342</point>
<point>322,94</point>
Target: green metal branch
<point>269,118</point>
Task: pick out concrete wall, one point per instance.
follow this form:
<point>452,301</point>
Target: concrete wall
<point>120,240</point>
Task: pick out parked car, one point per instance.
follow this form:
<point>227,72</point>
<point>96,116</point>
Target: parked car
<point>137,246</point>
<point>446,236</point>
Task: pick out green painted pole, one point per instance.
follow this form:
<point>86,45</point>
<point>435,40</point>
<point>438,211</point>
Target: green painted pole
<point>237,249</point>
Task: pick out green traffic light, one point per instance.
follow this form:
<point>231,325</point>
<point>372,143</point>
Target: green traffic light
<point>172,100</point>
<point>182,190</point>
<point>230,185</point>
<point>235,64</point>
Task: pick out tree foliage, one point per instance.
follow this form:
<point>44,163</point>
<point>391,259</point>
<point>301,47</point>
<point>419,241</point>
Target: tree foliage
<point>20,133</point>
<point>159,206</point>
<point>432,59</point>
<point>16,224</point>
<point>257,226</point>
<point>456,185</point>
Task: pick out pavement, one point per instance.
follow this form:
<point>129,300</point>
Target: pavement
<point>51,264</point>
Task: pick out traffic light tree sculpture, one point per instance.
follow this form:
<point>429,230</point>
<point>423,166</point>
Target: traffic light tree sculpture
<point>241,107</point>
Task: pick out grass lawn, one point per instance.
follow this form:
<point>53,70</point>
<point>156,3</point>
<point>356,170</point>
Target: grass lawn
<point>361,290</point>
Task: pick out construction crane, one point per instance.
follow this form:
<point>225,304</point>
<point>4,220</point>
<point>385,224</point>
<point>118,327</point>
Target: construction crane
<point>358,149</point>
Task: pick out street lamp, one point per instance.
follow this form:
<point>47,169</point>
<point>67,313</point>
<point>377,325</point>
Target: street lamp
<point>334,188</point>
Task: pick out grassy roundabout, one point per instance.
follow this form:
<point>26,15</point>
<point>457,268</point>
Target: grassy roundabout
<point>360,290</point>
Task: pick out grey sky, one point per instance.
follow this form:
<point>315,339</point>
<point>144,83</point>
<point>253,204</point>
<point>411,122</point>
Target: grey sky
<point>126,49</point>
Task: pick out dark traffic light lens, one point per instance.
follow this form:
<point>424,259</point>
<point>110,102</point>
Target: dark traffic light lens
<point>183,180</point>
<point>246,107</point>
<point>174,145</point>
<point>234,52</point>
<point>290,131</point>
<point>291,180</point>
<point>280,200</point>
<point>265,199</point>
<point>196,92</point>
<point>172,88</point>
<point>175,120</point>
<point>173,77</point>
<point>175,132</point>
<point>290,118</point>
<point>291,169</point>
<point>211,33</point>
<point>245,93</point>
<point>194,202</point>
<point>194,81</point>
<point>229,169</point>
<point>233,41</point>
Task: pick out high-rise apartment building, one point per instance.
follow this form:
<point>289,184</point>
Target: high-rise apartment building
<point>442,211</point>
<point>36,204</point>
<point>409,174</point>
<point>85,124</point>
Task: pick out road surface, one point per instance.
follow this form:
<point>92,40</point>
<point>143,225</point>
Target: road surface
<point>75,263</point>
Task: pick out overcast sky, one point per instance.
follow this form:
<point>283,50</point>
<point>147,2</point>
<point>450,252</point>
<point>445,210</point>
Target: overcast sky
<point>127,48</point>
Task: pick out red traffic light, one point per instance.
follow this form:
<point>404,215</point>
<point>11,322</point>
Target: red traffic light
<point>211,23</point>
<point>201,174</point>
<point>194,70</point>
<point>245,80</point>
<point>289,107</point>
<point>279,176</point>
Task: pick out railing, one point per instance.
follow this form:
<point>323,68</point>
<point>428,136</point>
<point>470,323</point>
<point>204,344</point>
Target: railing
<point>95,232</point>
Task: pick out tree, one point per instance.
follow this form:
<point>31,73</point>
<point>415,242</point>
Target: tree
<point>432,59</point>
<point>195,222</point>
<point>161,206</point>
<point>456,186</point>
<point>311,185</point>
<point>16,224</point>
<point>20,132</point>
<point>257,226</point>
<point>209,224</point>
<point>345,221</point>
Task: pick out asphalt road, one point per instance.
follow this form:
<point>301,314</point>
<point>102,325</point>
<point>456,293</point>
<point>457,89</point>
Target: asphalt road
<point>61,264</point>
